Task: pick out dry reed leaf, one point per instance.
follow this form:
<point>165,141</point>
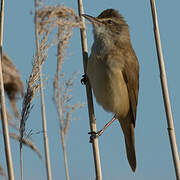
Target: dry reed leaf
<point>26,142</point>
<point>12,82</point>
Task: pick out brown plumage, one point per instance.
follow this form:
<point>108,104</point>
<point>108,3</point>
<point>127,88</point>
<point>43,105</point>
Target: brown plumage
<point>113,72</point>
<point>12,82</point>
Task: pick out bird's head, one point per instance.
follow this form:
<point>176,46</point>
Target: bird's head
<point>109,25</point>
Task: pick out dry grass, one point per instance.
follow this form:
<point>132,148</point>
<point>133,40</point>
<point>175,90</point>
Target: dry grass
<point>48,18</point>
<point>32,88</point>
<point>26,142</point>
<point>55,16</point>
<point>62,98</point>
<point>52,19</point>
<point>12,82</point>
<point>62,20</point>
<point>13,87</point>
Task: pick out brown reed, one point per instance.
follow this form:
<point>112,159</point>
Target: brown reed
<point>12,82</point>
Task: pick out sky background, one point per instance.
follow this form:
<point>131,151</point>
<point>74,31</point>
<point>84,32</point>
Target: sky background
<point>154,160</point>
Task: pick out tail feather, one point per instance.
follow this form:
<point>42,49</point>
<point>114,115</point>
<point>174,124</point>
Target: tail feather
<point>128,130</point>
<point>130,148</point>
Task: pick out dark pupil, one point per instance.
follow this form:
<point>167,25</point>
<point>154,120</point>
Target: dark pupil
<point>109,21</point>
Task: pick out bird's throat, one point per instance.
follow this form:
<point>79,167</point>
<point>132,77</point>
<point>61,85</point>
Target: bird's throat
<point>103,43</point>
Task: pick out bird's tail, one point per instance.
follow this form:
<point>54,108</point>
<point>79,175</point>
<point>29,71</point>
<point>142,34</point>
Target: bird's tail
<point>128,130</point>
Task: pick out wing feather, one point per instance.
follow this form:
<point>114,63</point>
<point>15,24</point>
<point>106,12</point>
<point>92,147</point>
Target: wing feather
<point>131,76</point>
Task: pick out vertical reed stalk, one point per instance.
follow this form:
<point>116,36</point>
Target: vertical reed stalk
<point>92,120</point>
<point>43,111</point>
<point>3,106</point>
<point>164,86</point>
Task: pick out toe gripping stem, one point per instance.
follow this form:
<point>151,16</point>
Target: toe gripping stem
<point>99,133</point>
<point>84,79</point>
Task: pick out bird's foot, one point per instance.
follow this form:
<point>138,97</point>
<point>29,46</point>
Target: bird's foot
<point>95,135</point>
<point>84,79</point>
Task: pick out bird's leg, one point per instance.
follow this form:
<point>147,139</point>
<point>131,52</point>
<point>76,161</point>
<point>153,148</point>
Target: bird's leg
<point>84,79</point>
<point>99,133</point>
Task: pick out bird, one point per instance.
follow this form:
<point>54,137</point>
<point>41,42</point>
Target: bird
<point>113,74</point>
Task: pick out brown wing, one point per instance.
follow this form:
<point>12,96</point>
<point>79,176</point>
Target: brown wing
<point>131,76</point>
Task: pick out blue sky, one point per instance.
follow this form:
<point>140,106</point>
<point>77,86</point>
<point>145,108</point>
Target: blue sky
<point>154,160</point>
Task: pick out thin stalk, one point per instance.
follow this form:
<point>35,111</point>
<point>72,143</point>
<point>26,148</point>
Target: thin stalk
<point>21,162</point>
<point>43,111</point>
<point>59,107</point>
<point>92,120</point>
<point>171,131</point>
<point>62,133</point>
<point>63,141</point>
<point>65,155</point>
<point>7,146</point>
<point>58,102</point>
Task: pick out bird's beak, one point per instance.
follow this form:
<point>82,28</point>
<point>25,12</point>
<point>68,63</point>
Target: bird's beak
<point>92,19</point>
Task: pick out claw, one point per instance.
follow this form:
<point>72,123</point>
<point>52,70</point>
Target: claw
<point>99,133</point>
<point>84,79</point>
<point>95,135</point>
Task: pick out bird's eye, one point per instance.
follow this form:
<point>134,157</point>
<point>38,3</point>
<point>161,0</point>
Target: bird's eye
<point>110,21</point>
